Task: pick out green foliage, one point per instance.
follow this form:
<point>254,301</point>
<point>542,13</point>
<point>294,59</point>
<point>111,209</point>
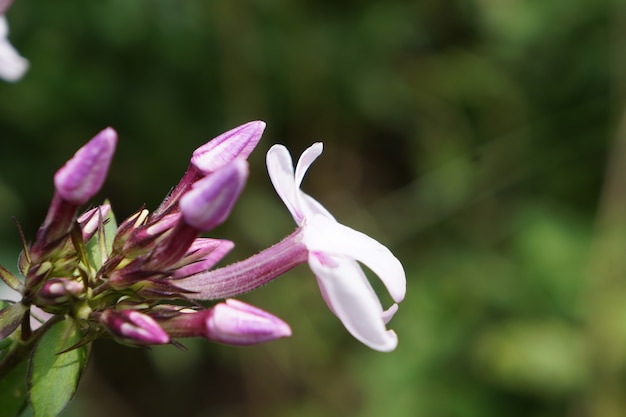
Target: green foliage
<point>99,246</point>
<point>10,318</point>
<point>12,386</point>
<point>55,369</point>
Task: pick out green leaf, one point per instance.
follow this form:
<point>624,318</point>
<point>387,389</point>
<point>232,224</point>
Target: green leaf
<point>54,373</point>
<point>13,391</point>
<point>110,229</point>
<point>10,279</point>
<point>100,245</point>
<point>10,318</point>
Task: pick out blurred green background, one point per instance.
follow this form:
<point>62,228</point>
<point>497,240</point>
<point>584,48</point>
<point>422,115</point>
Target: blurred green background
<point>478,139</point>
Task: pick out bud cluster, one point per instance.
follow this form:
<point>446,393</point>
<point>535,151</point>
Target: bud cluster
<point>121,281</point>
<point>140,282</point>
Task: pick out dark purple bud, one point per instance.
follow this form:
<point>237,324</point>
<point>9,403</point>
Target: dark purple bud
<point>131,326</point>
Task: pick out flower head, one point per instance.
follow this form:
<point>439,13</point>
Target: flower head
<point>334,250</point>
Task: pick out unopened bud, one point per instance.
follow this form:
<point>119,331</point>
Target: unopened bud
<point>59,290</point>
<point>237,323</point>
<point>225,148</point>
<point>82,176</point>
<point>231,322</point>
<point>143,237</point>
<point>134,327</point>
<point>211,199</point>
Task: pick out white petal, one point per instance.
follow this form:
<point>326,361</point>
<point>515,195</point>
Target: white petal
<point>12,65</point>
<point>311,206</point>
<point>306,159</point>
<point>351,298</point>
<point>325,235</point>
<point>280,170</point>
<point>389,313</point>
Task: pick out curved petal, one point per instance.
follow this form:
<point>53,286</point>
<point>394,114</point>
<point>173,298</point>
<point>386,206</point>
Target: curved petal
<point>389,313</point>
<point>280,170</point>
<point>311,206</point>
<point>351,298</point>
<point>328,236</point>
<point>306,159</point>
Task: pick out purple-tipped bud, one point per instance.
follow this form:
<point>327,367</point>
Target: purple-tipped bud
<point>211,199</point>
<point>145,236</point>
<point>237,323</point>
<point>203,255</point>
<point>59,290</point>
<point>224,149</point>
<point>82,176</point>
<point>134,327</point>
<point>90,220</point>
<point>128,227</point>
<point>232,322</point>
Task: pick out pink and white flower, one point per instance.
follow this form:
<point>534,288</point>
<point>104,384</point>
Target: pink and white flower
<point>334,250</point>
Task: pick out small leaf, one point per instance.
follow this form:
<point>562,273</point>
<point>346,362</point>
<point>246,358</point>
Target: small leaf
<point>100,245</point>
<point>110,229</point>
<point>53,376</point>
<point>24,259</point>
<point>10,318</point>
<point>10,279</point>
<point>13,391</point>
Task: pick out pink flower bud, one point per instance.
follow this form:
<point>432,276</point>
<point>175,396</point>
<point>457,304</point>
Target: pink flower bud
<point>144,237</point>
<point>237,323</point>
<point>59,290</point>
<point>222,150</point>
<point>211,199</point>
<point>134,327</point>
<point>232,322</point>
<point>82,176</point>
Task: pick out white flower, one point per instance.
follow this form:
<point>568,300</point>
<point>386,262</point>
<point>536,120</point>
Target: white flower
<point>12,65</point>
<point>334,250</point>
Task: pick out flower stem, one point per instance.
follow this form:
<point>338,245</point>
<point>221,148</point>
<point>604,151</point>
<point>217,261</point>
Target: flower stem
<point>248,274</point>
